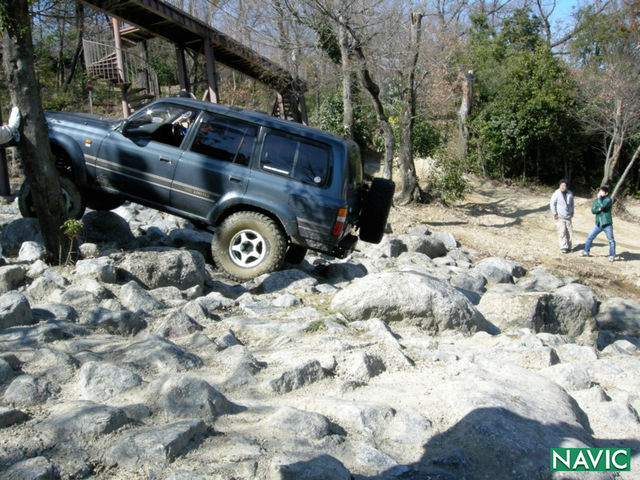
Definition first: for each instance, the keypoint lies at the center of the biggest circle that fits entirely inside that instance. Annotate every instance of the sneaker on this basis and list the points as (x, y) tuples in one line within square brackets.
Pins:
[(584, 254), (565, 250), (612, 259)]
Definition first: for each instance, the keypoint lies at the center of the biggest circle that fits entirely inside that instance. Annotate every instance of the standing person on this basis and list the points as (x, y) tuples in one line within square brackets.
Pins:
[(562, 210), (10, 131), (601, 208)]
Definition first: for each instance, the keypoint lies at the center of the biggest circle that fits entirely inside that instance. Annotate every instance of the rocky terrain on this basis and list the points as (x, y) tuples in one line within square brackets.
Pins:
[(412, 359)]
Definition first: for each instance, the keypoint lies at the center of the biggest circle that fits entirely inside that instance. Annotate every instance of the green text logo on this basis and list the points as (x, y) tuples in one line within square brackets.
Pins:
[(590, 459)]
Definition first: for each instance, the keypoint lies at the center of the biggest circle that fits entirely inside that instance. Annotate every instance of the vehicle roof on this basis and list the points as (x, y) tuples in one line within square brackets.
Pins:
[(256, 117)]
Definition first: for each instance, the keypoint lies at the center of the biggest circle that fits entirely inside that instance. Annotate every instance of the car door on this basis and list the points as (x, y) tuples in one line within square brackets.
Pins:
[(215, 166), (140, 159)]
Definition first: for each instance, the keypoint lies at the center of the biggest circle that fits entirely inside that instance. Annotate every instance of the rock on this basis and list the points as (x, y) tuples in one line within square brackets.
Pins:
[(79, 299), (36, 468), (11, 276), (539, 280), (6, 371), (416, 298), (134, 297), (89, 250), (429, 245), (337, 272), (11, 416), (187, 397), (156, 445), (227, 339), (99, 381), (37, 268), (570, 352), (499, 270), (102, 269), (106, 227), (580, 294), (321, 467), (31, 251), (466, 281), (44, 289), (171, 296), (27, 391), (55, 311), (177, 324), (285, 279), (52, 364), (362, 366), (447, 238), (298, 424), (241, 365), (620, 347), (372, 459), (286, 301), (158, 355), (620, 315), (160, 267), (14, 234), (571, 376), (82, 420), (14, 310), (306, 374), (124, 322), (573, 319)]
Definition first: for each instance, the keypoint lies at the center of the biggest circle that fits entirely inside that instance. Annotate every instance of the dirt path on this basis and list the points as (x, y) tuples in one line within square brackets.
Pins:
[(515, 223)]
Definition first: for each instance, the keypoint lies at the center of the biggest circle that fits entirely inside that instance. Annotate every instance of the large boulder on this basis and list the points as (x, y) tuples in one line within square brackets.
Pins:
[(160, 267), (14, 310), (408, 296), (99, 381), (10, 277), (102, 269), (427, 244), (15, 233), (499, 270), (620, 315), (106, 227), (580, 294), (82, 420)]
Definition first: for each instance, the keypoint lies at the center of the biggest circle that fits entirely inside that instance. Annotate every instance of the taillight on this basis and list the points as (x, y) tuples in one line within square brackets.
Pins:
[(341, 219)]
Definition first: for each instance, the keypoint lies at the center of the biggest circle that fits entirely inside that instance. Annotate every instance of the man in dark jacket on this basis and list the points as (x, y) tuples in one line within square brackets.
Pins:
[(601, 208)]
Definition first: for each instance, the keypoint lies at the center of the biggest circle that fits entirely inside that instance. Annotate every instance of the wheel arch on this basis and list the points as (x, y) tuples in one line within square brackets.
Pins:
[(69, 148), (221, 214)]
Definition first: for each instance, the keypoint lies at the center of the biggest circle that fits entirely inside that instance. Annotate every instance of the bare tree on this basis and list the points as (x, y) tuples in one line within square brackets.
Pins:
[(39, 167)]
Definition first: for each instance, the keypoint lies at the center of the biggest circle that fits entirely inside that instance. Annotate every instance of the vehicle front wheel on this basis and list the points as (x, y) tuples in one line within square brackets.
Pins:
[(247, 245), (103, 201), (73, 199)]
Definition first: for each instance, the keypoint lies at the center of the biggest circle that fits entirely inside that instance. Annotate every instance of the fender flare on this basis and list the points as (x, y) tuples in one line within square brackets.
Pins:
[(73, 150), (226, 206)]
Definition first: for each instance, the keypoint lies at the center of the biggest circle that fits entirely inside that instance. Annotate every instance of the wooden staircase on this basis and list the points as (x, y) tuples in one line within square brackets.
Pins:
[(136, 79)]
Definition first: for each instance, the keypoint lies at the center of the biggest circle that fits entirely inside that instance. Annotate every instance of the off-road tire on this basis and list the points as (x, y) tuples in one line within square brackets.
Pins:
[(295, 254), (103, 201), (248, 244), (74, 199), (375, 210)]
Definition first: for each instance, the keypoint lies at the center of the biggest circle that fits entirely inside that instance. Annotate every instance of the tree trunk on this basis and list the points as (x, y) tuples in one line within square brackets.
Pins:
[(625, 173), (615, 146), (80, 32), (37, 159), (347, 82), (410, 191), (463, 113)]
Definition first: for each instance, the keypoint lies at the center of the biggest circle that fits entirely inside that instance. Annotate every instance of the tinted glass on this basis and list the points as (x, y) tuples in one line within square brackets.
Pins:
[(225, 139), (295, 157)]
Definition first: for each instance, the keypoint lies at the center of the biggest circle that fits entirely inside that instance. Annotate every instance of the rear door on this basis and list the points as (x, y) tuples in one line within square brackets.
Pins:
[(215, 166)]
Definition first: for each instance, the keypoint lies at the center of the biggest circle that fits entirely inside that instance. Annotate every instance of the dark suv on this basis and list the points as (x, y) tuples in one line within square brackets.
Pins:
[(269, 188)]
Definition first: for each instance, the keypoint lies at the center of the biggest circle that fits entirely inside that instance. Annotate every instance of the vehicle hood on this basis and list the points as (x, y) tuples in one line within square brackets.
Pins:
[(88, 120)]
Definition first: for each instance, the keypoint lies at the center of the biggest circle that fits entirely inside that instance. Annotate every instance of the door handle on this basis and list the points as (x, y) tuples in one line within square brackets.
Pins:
[(165, 159), (235, 179)]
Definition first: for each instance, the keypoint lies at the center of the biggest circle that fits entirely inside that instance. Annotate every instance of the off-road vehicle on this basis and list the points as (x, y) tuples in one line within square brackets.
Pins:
[(269, 189)]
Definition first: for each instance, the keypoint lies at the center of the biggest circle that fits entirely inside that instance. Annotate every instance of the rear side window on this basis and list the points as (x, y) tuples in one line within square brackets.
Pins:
[(295, 157), (225, 139)]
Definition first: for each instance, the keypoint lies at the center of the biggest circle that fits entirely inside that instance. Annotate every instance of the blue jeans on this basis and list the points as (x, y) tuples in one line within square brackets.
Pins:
[(608, 230)]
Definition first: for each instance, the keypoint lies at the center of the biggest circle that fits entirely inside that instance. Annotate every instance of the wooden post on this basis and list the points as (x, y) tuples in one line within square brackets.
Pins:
[(122, 78), (280, 102), (212, 81), (183, 75), (303, 109)]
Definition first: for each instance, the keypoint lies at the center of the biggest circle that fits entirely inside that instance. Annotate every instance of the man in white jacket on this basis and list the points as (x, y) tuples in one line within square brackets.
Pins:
[(10, 130), (562, 210)]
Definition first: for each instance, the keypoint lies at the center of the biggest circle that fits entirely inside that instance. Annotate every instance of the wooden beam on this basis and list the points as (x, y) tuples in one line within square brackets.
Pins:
[(212, 81), (183, 75), (122, 78)]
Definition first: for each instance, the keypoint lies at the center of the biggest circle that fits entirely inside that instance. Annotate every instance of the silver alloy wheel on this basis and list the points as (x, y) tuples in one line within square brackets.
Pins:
[(247, 248)]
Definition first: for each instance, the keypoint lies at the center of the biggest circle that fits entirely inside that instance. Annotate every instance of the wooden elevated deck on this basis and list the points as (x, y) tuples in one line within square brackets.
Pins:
[(161, 19)]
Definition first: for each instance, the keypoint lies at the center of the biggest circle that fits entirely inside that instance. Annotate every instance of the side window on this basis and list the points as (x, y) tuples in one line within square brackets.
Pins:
[(295, 157), (163, 122), (225, 139)]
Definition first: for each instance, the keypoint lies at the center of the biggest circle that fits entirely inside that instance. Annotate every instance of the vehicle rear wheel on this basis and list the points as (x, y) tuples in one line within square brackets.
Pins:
[(248, 244), (103, 201), (375, 210), (73, 199)]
